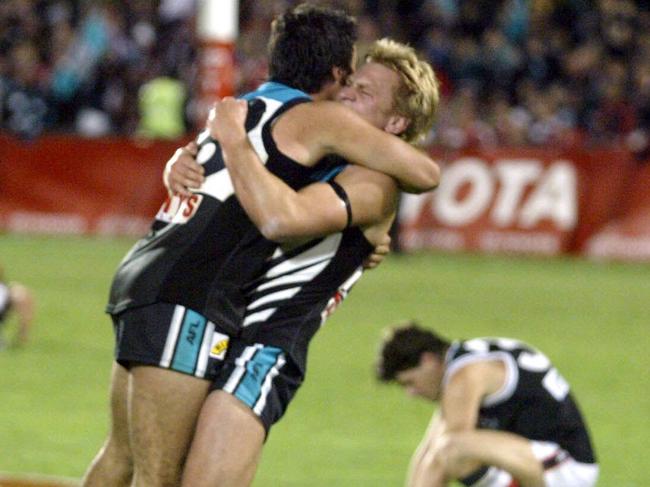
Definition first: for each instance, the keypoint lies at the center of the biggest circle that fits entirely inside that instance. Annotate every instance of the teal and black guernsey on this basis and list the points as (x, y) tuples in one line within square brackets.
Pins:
[(202, 251)]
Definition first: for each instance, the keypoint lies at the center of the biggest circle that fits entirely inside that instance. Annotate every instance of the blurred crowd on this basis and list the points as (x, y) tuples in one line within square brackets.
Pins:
[(513, 72)]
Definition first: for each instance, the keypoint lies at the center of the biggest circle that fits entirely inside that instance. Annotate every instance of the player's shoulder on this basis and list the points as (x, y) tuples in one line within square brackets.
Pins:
[(320, 123), (482, 349), (319, 110), (483, 345)]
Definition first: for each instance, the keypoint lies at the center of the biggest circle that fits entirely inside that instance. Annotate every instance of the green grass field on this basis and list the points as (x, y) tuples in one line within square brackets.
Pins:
[(343, 429)]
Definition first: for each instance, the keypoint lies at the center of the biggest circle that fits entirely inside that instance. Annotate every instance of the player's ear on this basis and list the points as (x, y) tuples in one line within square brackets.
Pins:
[(427, 358), (340, 75), (397, 124)]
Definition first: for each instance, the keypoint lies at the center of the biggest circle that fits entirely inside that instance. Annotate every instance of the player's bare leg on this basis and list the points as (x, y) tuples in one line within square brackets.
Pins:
[(113, 465), (163, 407), (227, 446), (459, 454), (22, 301)]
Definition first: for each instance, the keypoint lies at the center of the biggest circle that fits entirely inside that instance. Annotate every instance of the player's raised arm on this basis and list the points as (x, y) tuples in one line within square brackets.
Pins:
[(358, 197), (329, 127), (281, 213), (417, 471)]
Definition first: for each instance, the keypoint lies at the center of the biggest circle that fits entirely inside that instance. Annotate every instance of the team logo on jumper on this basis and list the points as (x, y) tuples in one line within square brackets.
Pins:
[(219, 346)]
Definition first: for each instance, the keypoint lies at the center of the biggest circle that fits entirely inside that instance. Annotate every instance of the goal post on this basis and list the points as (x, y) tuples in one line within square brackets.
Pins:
[(217, 28)]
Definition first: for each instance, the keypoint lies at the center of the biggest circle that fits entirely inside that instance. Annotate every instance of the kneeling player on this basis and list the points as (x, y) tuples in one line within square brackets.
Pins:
[(16, 299), (506, 417)]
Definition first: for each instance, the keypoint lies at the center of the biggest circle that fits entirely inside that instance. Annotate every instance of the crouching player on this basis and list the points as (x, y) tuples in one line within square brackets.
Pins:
[(506, 417)]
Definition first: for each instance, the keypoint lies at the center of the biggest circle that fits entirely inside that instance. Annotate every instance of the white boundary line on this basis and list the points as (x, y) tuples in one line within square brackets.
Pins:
[(36, 480)]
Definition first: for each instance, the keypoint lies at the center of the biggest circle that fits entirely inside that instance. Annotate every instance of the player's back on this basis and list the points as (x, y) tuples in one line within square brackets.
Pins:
[(535, 401), (203, 249), (300, 288)]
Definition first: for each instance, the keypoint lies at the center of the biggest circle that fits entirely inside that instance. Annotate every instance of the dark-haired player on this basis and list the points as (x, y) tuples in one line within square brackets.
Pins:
[(177, 297), (507, 417)]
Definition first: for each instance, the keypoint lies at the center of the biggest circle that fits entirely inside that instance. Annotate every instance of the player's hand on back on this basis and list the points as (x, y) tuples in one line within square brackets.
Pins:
[(226, 121), (183, 172)]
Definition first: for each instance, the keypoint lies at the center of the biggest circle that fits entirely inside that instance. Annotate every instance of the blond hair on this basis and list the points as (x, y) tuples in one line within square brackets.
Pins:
[(418, 96)]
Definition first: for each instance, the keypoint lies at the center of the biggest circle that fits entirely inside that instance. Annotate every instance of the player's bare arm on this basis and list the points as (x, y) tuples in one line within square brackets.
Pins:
[(462, 395), (283, 214), (417, 465), (459, 405), (310, 131), (460, 448)]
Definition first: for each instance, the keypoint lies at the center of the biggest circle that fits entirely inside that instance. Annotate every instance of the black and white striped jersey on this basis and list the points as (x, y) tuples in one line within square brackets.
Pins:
[(300, 288), (204, 249), (535, 402)]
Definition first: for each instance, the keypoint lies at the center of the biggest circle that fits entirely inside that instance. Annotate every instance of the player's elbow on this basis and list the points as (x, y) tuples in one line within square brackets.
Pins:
[(426, 179), (276, 229)]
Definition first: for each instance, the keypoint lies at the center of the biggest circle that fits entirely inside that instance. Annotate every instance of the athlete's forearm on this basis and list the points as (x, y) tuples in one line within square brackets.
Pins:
[(262, 195), (414, 171), (370, 147)]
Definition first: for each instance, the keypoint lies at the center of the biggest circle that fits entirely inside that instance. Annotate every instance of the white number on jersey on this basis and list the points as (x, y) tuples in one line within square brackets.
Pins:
[(553, 382)]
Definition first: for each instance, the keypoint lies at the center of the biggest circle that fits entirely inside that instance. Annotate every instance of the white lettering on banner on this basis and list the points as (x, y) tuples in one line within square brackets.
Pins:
[(440, 238), (514, 175), (616, 245), (115, 224), (467, 171), (554, 198), (507, 241), (553, 194), (411, 206), (54, 223)]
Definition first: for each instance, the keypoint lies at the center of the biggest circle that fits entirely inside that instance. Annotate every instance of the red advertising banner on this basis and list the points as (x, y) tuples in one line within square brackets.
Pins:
[(524, 201), (60, 184), (627, 235)]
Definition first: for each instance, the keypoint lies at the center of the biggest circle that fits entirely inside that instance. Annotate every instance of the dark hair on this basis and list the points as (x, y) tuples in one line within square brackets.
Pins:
[(306, 43), (402, 348)]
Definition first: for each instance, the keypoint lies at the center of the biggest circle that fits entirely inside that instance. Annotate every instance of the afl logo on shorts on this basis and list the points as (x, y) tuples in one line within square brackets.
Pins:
[(219, 346)]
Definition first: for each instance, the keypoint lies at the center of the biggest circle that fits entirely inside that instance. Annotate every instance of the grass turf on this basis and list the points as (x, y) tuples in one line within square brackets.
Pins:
[(343, 429)]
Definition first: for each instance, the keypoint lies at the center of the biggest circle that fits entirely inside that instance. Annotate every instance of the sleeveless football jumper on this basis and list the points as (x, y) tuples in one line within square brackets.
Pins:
[(536, 401), (202, 251)]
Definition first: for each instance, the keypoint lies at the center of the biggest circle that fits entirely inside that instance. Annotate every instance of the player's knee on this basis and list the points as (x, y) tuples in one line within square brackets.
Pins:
[(220, 474), (21, 296), (158, 474), (119, 456), (112, 466)]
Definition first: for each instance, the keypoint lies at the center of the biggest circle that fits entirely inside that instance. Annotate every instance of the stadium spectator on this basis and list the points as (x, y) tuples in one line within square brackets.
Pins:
[(162, 113), (499, 48), (506, 417), (16, 299), (25, 107)]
